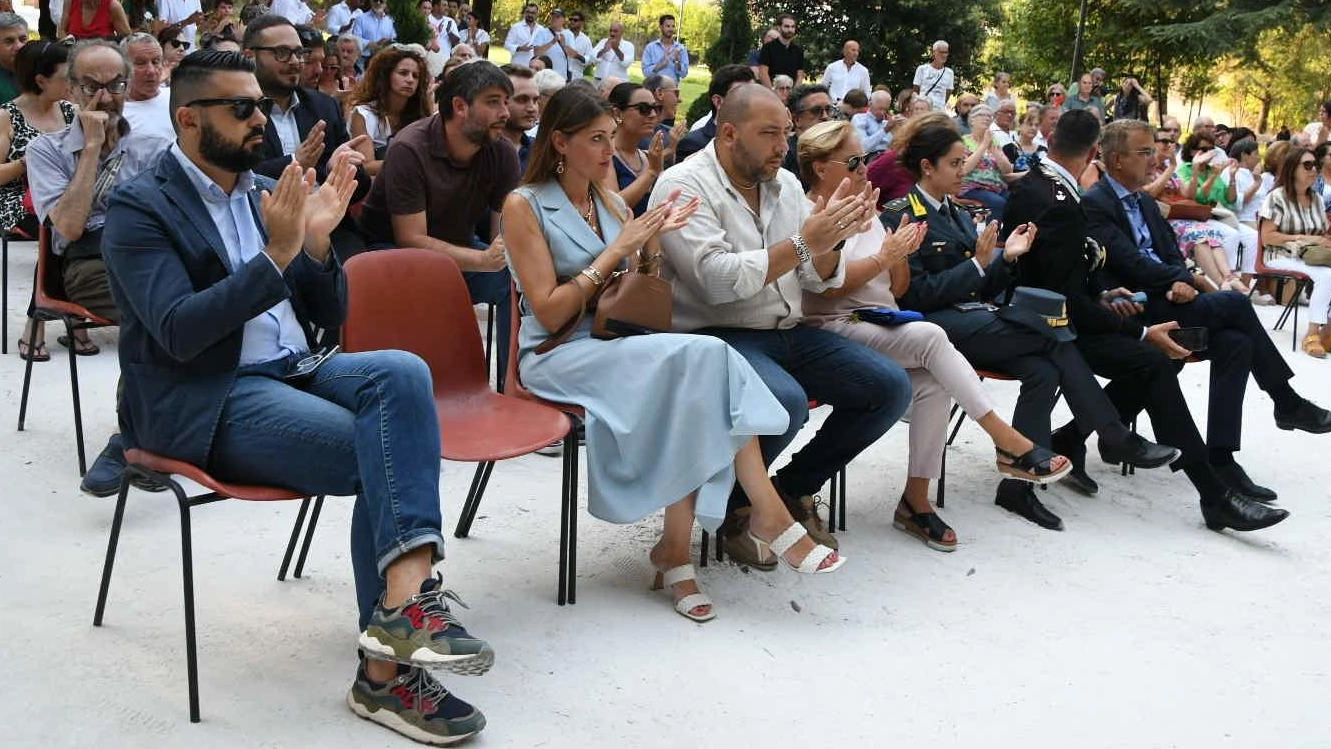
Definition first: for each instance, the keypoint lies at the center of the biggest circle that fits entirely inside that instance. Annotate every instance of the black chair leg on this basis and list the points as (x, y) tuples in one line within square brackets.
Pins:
[(74, 389), (27, 376), (473, 503), (841, 499), (831, 503), (111, 545), (941, 497), (702, 548), (572, 447), (187, 575), (570, 444), (309, 535), (291, 543), (489, 340)]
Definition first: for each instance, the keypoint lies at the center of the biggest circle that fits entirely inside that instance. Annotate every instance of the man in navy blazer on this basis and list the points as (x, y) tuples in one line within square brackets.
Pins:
[(219, 282), (1143, 254)]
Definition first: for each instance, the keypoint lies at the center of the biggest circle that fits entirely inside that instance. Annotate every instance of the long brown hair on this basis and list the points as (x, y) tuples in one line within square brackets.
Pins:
[(571, 110), (1286, 175), (374, 88)]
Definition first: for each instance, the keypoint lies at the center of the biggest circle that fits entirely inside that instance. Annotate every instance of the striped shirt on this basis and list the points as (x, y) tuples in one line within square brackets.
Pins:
[(1291, 217)]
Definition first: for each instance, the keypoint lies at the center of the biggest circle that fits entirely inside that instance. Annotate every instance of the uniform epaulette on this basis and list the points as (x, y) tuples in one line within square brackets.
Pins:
[(900, 205)]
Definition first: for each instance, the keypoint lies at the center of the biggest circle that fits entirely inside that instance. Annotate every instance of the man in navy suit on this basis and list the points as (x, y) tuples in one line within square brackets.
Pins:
[(1143, 254), (218, 282)]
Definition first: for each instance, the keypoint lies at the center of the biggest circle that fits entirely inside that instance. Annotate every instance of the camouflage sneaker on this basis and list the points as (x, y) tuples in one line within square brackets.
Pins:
[(424, 632), (416, 706)]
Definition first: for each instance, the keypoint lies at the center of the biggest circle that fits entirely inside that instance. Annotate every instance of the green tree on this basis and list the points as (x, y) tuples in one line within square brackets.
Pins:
[(736, 37), (894, 35), (409, 22)]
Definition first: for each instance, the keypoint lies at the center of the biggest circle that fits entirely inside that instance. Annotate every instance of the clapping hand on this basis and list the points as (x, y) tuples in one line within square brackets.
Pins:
[(679, 217), (842, 216), (635, 233), (283, 212), (326, 206), (1019, 241), (656, 153), (986, 242), (311, 149), (900, 244)]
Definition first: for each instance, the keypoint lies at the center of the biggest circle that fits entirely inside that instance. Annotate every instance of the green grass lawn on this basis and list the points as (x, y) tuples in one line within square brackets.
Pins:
[(692, 87)]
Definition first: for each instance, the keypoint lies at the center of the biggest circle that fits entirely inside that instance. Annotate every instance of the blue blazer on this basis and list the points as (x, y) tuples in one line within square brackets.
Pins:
[(183, 307), (1108, 223)]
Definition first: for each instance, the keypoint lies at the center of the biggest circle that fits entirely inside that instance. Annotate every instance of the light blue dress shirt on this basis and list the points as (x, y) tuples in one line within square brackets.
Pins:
[(872, 135), (372, 28), (1133, 208), (275, 332), (655, 53)]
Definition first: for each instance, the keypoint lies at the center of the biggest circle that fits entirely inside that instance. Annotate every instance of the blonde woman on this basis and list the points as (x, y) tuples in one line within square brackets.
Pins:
[(876, 272)]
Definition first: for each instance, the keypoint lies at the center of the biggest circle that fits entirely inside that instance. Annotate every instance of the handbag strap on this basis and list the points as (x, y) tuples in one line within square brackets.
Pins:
[(642, 264)]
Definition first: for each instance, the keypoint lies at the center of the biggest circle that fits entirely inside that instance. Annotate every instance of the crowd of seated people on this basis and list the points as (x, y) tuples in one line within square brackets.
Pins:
[(1012, 242)]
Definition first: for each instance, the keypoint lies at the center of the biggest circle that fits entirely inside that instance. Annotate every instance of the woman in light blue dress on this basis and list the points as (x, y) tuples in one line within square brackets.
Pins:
[(672, 419)]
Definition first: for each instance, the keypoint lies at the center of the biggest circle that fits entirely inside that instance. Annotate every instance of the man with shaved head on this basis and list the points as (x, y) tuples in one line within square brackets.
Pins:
[(740, 268)]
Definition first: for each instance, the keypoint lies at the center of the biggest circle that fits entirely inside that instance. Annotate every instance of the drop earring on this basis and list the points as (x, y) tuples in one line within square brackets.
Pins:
[(559, 166)]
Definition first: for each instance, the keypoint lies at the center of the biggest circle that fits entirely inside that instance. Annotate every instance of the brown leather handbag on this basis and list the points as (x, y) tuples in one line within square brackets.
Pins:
[(1189, 210), (636, 301)]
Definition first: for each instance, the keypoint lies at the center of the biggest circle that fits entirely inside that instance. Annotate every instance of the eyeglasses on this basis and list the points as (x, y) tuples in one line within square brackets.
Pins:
[(854, 162), (242, 108), (647, 110), (179, 44), (816, 111), (90, 87), (1310, 166), (1166, 141), (1144, 152), (284, 54)]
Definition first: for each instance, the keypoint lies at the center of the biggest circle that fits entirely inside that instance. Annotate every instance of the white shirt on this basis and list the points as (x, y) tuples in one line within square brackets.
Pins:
[(1243, 181), (608, 64), (174, 11), (442, 27), (151, 115), (935, 84), (1001, 137), (555, 52), (522, 35), (288, 132), (718, 261), (340, 15), (294, 11), (701, 123), (583, 44), (482, 37), (839, 79)]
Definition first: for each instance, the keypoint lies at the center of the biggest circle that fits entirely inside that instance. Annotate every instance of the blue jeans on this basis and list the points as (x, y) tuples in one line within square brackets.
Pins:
[(363, 424), (868, 393)]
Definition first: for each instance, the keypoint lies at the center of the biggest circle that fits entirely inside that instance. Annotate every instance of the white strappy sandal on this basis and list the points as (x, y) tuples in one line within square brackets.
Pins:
[(811, 562), (685, 605)]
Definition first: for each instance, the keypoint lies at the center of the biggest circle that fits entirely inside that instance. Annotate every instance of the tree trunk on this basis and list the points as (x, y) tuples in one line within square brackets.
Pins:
[(1263, 119)]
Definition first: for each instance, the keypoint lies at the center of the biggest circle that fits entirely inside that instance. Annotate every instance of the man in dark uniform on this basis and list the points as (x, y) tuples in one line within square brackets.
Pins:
[(1138, 360), (954, 275)]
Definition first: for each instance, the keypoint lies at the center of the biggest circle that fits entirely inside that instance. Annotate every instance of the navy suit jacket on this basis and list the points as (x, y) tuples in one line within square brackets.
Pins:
[(1108, 223), (314, 106), (184, 307)]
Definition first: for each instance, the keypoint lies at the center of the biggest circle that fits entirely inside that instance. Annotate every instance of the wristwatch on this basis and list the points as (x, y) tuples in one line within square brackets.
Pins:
[(802, 250)]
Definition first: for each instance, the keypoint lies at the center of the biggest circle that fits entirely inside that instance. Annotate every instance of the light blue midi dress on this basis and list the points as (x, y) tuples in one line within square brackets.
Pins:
[(666, 413)]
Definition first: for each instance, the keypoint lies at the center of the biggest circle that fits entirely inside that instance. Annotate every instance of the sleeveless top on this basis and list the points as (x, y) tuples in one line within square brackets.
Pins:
[(11, 194), (99, 27), (377, 128), (624, 176)]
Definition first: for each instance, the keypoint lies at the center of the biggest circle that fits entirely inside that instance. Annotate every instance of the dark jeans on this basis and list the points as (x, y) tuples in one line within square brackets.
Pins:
[(1239, 345), (868, 393), (364, 424)]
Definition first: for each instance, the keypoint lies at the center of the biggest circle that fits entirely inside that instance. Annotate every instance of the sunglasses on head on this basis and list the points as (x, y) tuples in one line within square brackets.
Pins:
[(854, 162), (647, 110), (242, 108)]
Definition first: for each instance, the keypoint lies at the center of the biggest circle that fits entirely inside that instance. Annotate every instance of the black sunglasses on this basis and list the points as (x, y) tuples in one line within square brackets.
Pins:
[(1170, 141), (647, 110), (242, 108), (1308, 165), (179, 43), (854, 162), (816, 111)]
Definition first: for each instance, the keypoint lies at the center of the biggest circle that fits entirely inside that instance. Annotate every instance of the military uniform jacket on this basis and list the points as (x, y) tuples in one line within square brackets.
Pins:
[(1064, 258), (942, 271)]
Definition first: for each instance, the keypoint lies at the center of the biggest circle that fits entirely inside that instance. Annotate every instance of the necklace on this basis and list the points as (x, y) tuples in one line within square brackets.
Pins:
[(737, 183)]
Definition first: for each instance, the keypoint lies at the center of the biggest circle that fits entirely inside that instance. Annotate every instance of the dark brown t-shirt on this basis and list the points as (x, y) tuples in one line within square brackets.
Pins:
[(418, 175)]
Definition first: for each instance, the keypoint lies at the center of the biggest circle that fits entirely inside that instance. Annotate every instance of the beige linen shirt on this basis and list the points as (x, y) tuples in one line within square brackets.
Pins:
[(718, 262)]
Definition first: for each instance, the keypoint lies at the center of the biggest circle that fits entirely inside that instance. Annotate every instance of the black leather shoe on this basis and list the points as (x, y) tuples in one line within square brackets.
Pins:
[(1239, 513), (1138, 451), (1234, 477), (1065, 442), (103, 477), (1018, 497), (1307, 417)]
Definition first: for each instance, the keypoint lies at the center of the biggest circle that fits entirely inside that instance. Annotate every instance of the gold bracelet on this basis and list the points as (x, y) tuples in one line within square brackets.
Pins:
[(594, 276)]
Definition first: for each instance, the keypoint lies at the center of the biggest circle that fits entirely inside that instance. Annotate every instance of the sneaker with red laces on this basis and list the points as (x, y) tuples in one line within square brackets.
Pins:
[(415, 705), (424, 632)]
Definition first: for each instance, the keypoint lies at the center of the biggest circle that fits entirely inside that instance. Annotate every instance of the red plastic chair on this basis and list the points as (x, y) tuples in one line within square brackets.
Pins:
[(161, 471), (1280, 276), (50, 305), (568, 519), (416, 300)]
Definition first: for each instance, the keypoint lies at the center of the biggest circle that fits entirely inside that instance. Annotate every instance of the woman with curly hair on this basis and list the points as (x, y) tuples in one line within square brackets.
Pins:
[(393, 94)]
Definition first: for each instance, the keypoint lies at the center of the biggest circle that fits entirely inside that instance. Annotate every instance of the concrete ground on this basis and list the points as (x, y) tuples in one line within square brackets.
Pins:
[(1135, 627)]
